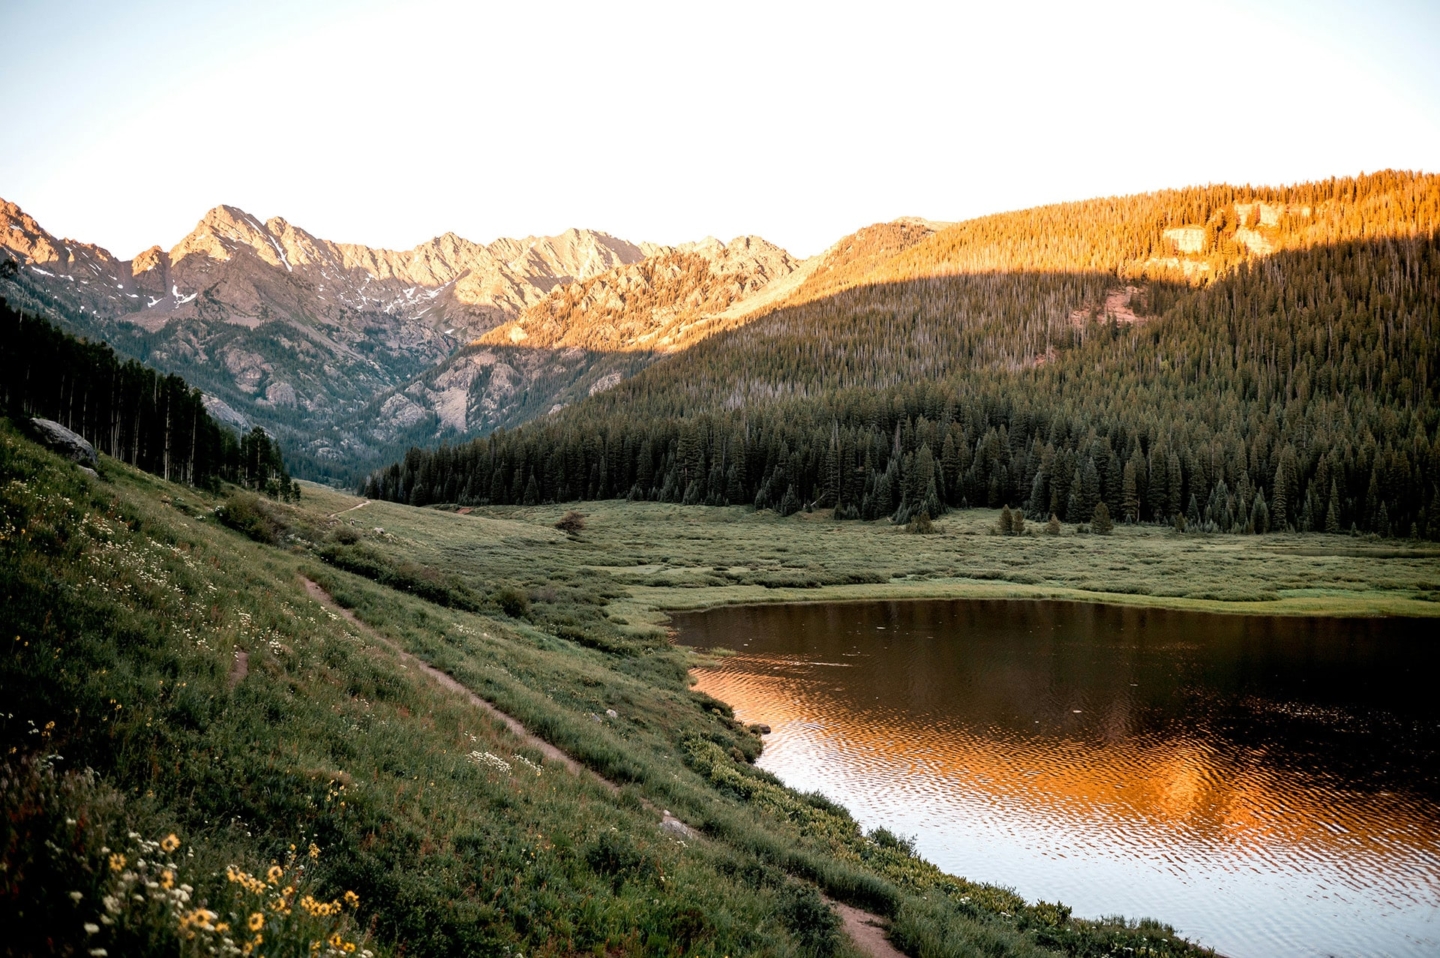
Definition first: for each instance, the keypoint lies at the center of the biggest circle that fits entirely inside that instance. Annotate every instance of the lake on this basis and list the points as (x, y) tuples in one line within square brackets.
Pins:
[(1268, 785)]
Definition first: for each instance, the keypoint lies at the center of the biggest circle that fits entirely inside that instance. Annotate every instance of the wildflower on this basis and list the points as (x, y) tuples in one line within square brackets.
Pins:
[(352, 899), (167, 879), (257, 921), (336, 940), (170, 842), (76, 896), (91, 928), (275, 874), (99, 952), (117, 862), (314, 850), (222, 927), (349, 946)]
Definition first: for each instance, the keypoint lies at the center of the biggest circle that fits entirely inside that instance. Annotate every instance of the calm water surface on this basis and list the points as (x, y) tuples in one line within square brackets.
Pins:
[(1270, 786)]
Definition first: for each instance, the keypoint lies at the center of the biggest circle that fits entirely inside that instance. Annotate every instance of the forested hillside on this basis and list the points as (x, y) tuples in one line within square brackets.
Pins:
[(1223, 358), (126, 410)]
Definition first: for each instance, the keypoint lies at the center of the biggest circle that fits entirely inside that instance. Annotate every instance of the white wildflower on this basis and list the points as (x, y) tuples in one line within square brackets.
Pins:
[(494, 761)]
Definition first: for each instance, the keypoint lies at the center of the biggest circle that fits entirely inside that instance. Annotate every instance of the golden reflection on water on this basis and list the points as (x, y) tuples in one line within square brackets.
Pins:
[(1169, 781)]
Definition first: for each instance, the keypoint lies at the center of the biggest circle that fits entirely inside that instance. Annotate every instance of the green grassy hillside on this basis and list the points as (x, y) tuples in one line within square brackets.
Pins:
[(183, 724)]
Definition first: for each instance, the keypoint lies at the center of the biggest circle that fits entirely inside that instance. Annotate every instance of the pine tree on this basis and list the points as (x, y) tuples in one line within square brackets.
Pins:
[(1129, 494), (1260, 515), (1332, 512), (1089, 489), (1101, 523), (1280, 493), (790, 502)]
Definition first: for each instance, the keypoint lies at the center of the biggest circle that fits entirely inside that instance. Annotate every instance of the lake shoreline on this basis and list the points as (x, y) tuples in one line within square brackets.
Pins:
[(663, 600), (1102, 761)]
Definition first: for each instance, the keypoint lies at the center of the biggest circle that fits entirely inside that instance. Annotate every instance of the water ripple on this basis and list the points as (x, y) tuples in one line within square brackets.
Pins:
[(1266, 786)]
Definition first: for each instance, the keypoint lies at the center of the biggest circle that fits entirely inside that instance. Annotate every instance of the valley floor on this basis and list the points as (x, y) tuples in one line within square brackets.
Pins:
[(669, 557), (171, 672)]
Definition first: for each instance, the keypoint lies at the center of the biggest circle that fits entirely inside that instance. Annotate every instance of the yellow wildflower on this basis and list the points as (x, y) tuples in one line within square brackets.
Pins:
[(314, 850), (257, 921), (349, 946), (117, 862), (336, 940), (167, 879), (275, 874), (170, 842), (352, 899)]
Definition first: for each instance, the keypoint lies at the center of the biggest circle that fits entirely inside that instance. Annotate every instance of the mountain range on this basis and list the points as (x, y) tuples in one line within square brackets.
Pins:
[(348, 353)]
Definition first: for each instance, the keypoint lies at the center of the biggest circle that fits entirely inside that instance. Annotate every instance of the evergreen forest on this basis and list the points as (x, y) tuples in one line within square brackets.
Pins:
[(153, 421), (1223, 359)]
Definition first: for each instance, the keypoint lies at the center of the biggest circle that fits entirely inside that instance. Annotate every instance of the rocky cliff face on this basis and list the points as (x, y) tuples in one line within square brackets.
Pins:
[(286, 329), (586, 336)]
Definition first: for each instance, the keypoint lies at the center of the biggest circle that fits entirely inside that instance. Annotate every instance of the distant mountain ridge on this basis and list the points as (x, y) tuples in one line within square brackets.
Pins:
[(350, 354), (285, 329), (469, 286)]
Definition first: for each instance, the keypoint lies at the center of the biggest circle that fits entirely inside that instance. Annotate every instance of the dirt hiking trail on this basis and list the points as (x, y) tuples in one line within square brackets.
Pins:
[(865, 930)]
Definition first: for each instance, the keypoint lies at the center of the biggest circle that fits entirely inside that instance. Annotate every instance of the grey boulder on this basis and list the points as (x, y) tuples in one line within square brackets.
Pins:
[(71, 445)]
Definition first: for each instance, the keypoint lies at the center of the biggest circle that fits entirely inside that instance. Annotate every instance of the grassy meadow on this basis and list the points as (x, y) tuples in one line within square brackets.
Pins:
[(165, 674), (662, 556)]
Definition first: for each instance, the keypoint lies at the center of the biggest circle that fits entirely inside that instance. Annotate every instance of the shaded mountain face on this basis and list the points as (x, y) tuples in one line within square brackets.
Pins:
[(584, 338), (587, 337), (284, 329)]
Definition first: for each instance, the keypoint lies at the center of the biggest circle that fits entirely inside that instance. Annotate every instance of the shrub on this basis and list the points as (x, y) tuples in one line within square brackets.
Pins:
[(1101, 523), (1052, 528), (812, 921), (512, 602), (615, 857), (247, 514), (411, 577), (571, 523), (921, 524), (345, 535)]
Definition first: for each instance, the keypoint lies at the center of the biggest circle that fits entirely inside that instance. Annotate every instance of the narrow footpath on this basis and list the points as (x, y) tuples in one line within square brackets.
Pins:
[(866, 930), (521, 732)]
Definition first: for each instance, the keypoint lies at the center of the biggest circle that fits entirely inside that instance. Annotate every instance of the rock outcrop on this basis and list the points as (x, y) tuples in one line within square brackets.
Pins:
[(71, 445)]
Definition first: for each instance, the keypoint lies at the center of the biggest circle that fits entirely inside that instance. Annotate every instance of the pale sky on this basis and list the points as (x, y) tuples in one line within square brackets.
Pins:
[(387, 123)]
